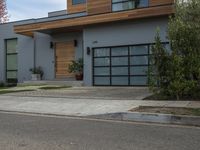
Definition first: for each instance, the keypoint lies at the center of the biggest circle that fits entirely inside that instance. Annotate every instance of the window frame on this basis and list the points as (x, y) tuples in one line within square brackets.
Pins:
[(9, 80), (126, 1), (77, 3)]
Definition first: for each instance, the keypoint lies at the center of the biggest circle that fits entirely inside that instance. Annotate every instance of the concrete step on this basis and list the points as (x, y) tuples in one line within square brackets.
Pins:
[(54, 82)]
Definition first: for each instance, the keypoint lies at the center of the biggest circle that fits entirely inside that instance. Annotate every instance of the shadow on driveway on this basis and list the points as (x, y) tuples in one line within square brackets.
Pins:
[(109, 93)]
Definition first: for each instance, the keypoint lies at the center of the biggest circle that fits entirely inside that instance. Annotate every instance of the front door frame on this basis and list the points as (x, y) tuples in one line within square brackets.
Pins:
[(55, 59)]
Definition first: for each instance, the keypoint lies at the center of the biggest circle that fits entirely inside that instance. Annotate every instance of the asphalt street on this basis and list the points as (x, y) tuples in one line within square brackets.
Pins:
[(29, 132)]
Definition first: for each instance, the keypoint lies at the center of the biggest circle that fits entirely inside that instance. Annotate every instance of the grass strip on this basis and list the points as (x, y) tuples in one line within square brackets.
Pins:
[(54, 87), (12, 91), (168, 110)]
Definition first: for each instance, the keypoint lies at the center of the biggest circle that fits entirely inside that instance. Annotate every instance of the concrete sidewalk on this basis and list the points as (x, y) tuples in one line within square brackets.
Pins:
[(81, 107)]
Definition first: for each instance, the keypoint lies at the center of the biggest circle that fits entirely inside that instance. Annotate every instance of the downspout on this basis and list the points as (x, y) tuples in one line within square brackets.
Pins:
[(34, 51)]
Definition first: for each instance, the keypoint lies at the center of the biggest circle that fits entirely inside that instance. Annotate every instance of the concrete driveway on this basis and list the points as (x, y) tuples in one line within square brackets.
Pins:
[(77, 101), (106, 93), (64, 106)]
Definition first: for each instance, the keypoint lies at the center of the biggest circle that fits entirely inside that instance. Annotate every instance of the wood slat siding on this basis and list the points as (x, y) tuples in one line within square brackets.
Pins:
[(160, 2), (96, 19), (65, 53), (75, 8), (98, 6)]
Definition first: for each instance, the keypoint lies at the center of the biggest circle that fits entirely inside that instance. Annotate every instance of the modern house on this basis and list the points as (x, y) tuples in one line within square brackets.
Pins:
[(114, 38)]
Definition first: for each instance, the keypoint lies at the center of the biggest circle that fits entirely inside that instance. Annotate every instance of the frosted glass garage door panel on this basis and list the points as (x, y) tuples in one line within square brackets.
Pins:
[(119, 80), (119, 51), (119, 70), (101, 52), (139, 60), (139, 70), (102, 71), (138, 50), (102, 80), (101, 61), (119, 61), (138, 80)]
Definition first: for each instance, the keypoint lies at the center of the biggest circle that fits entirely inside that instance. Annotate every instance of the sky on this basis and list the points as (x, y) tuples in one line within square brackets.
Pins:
[(28, 9)]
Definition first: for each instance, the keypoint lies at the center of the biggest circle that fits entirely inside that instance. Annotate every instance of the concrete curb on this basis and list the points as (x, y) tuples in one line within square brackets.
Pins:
[(152, 118), (131, 117)]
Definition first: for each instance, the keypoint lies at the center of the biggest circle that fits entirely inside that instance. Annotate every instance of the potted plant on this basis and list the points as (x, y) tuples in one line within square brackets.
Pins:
[(76, 67), (37, 73)]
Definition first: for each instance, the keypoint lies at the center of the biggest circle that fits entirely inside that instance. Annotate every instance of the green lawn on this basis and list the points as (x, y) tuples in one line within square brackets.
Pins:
[(168, 110), (6, 90), (12, 91), (161, 97), (54, 87)]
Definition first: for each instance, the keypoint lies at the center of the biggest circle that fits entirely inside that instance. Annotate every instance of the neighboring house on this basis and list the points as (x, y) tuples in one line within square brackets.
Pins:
[(112, 36)]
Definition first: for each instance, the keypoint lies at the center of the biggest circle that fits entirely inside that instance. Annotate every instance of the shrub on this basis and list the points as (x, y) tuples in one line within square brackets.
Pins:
[(76, 67), (2, 84), (37, 70), (178, 72)]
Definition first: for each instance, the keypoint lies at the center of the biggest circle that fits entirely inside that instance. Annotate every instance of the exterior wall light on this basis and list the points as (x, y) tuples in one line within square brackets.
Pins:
[(51, 45), (75, 43), (88, 50)]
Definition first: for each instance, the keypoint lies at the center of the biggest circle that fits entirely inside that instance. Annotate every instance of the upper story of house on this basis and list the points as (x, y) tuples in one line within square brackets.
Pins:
[(93, 7), (81, 13)]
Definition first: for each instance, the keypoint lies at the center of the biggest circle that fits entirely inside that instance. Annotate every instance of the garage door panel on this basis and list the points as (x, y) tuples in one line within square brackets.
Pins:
[(101, 52), (102, 71), (139, 70), (101, 61), (119, 51), (120, 80), (102, 80), (119, 61), (139, 60), (139, 50), (138, 80), (120, 71)]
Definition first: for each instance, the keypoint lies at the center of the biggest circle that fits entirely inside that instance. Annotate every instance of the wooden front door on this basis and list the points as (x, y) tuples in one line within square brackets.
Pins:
[(65, 53)]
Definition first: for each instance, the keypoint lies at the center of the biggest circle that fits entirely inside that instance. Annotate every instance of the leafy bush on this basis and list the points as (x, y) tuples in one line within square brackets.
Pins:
[(37, 70), (76, 66), (178, 73), (2, 84)]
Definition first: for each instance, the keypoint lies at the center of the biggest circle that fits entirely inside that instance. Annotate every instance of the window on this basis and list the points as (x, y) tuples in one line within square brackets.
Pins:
[(119, 5), (11, 60), (75, 2)]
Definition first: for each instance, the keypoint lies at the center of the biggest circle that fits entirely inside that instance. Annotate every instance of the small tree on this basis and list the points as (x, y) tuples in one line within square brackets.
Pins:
[(3, 11), (178, 73)]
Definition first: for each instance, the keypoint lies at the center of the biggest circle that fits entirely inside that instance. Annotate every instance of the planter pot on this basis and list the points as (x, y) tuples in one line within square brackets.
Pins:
[(79, 77), (35, 77)]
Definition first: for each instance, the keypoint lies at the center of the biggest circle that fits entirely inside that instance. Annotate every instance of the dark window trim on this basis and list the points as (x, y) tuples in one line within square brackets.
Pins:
[(129, 64), (77, 3), (6, 54), (136, 7), (11, 53)]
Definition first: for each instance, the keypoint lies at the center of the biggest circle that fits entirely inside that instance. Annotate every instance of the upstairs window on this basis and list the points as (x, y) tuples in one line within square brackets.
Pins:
[(120, 5), (75, 2)]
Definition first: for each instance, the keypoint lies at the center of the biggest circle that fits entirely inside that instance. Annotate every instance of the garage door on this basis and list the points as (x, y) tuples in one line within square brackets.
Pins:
[(124, 65)]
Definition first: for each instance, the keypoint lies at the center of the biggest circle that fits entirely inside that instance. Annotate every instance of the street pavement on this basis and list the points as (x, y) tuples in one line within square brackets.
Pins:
[(28, 132)]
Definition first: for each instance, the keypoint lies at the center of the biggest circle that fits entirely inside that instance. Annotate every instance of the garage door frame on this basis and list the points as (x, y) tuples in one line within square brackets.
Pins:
[(110, 57)]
